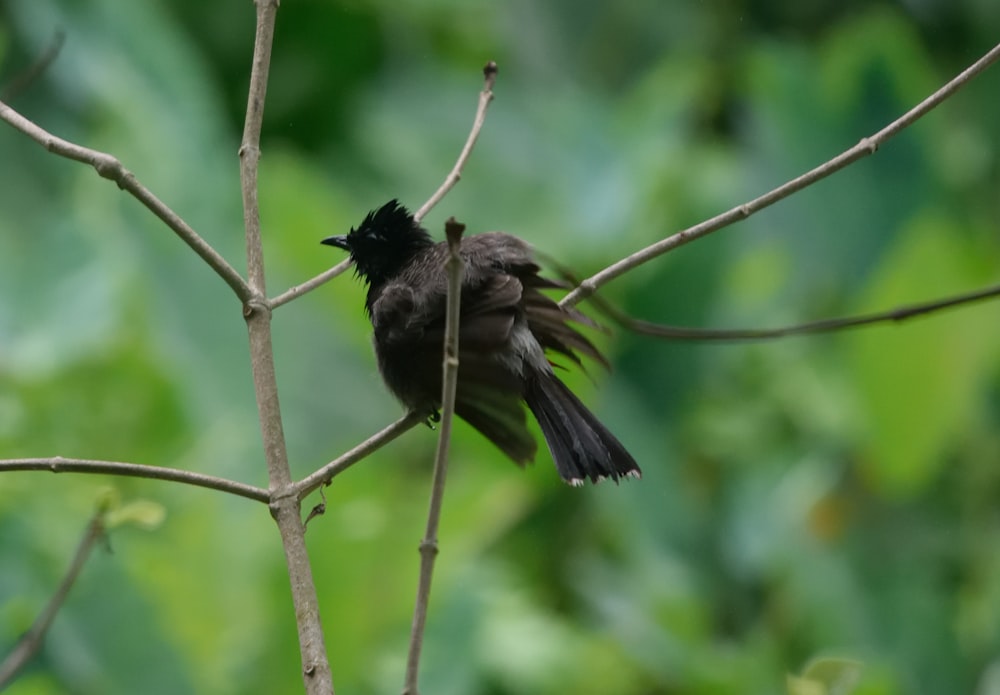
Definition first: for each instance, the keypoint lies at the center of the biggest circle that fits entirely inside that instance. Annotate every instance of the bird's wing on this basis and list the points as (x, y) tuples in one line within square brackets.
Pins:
[(507, 256), (489, 391), (488, 311), (392, 313), (549, 324), (488, 308), (490, 386)]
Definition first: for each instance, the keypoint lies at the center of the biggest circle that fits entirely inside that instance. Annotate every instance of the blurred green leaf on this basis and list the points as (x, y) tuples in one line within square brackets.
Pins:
[(837, 676), (919, 384), (145, 514), (798, 685)]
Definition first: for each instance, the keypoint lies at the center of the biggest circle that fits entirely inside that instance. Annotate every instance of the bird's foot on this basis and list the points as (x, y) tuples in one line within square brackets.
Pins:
[(433, 418)]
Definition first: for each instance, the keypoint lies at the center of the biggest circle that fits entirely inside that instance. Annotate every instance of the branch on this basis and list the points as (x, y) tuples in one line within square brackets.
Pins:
[(485, 97), (109, 167), (657, 330), (823, 326), (25, 78), (285, 506), (58, 464), (449, 384), (309, 285), (866, 147), (31, 642), (325, 474)]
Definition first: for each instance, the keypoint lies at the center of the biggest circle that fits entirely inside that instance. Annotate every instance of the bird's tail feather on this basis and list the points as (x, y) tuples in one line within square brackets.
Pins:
[(581, 446), (498, 415)]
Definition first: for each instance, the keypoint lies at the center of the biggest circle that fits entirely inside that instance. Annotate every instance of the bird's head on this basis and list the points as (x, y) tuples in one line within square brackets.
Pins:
[(383, 243)]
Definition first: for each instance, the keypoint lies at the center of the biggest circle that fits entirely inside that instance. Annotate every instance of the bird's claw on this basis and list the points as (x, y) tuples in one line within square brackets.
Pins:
[(433, 418)]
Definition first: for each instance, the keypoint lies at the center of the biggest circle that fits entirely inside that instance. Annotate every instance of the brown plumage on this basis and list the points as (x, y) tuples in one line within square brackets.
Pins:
[(506, 326)]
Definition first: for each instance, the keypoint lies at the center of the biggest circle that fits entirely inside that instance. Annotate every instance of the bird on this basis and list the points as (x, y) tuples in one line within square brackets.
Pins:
[(506, 326)]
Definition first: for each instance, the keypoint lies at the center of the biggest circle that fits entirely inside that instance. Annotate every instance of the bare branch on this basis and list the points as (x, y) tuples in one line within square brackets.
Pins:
[(110, 168), (31, 642), (864, 148), (659, 330), (58, 464), (25, 78), (823, 326), (309, 285), (325, 474), (285, 505), (485, 97), (250, 146), (429, 545)]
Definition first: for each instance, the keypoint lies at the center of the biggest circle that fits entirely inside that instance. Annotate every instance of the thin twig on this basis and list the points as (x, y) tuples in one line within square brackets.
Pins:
[(31, 642), (285, 505), (485, 97), (340, 464), (866, 147), (26, 77), (109, 167), (668, 332), (429, 545), (309, 285), (58, 464), (823, 326)]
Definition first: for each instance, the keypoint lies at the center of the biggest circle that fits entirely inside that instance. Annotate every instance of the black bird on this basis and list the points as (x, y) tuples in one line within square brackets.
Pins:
[(506, 326)]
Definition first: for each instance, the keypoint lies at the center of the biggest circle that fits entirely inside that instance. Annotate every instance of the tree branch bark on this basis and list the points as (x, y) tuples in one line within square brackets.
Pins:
[(110, 168), (866, 147), (285, 505), (485, 98), (429, 545), (309, 285), (58, 464), (324, 475), (897, 315)]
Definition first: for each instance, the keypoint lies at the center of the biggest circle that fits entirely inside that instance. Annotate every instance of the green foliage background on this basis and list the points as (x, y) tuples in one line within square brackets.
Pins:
[(830, 495)]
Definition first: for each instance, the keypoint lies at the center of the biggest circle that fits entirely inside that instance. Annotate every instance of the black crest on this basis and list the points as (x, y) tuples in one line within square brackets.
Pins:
[(384, 241)]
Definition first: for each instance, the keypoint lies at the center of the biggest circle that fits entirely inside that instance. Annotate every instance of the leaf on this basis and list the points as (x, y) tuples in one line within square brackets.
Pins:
[(920, 384), (145, 514), (825, 676), (797, 685)]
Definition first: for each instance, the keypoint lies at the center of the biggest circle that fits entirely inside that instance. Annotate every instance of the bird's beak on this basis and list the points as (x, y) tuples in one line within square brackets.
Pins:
[(339, 241)]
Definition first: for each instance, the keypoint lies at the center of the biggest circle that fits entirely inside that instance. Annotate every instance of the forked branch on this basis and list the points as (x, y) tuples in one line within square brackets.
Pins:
[(897, 315), (285, 505), (864, 148), (485, 97)]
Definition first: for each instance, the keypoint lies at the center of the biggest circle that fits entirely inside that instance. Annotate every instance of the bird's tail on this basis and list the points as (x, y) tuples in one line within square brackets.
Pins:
[(581, 446)]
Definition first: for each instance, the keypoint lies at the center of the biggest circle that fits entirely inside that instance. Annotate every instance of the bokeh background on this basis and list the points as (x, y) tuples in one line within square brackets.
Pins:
[(835, 495)]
